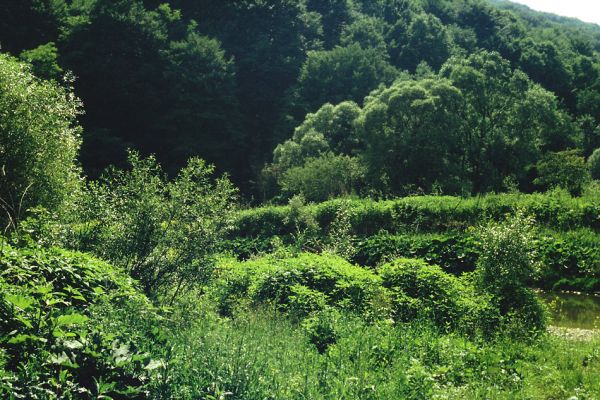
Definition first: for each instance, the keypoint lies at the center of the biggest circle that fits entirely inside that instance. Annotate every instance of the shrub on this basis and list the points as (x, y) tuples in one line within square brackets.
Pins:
[(302, 282), (321, 329), (566, 169), (52, 345), (455, 253), (39, 142), (505, 267), (164, 233), (422, 290), (324, 177), (557, 210)]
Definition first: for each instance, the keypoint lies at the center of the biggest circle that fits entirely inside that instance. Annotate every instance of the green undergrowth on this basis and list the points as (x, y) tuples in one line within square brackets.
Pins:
[(52, 342), (285, 326), (260, 354), (306, 285), (568, 260)]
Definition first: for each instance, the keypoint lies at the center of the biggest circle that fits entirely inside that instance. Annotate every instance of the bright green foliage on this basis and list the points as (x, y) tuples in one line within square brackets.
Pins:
[(51, 345), (420, 290), (39, 141), (258, 355), (505, 266), (566, 169), (594, 164), (301, 283), (164, 233), (557, 210)]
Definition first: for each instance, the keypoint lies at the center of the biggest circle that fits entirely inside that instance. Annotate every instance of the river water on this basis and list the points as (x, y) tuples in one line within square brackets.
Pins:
[(569, 310)]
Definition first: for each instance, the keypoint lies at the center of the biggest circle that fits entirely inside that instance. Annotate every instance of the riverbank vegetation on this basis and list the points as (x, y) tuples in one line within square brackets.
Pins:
[(296, 200)]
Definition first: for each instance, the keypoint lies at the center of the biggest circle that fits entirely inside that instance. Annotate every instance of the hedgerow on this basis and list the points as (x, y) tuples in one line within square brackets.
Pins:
[(555, 210)]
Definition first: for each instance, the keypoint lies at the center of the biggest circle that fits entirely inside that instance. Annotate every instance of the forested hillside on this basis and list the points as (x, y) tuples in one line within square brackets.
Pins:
[(233, 81)]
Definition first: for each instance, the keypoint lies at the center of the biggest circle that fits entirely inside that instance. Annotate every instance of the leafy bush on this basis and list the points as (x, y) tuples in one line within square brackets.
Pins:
[(322, 178), (569, 260), (455, 253), (39, 141), (51, 344), (565, 169), (421, 290), (505, 267), (304, 282), (164, 233)]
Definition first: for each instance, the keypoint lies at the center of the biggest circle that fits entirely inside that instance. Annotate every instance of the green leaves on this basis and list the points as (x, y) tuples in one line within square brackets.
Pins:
[(163, 232), (23, 303), (71, 319), (39, 141), (50, 338)]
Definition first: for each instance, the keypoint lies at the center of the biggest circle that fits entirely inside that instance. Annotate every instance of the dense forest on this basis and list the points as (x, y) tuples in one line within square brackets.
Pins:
[(298, 199), (269, 91)]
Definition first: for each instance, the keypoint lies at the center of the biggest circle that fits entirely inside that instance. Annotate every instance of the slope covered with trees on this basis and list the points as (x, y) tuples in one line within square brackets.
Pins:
[(228, 81)]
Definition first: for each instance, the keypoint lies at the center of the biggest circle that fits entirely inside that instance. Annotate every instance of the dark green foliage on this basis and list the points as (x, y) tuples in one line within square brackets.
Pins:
[(594, 164), (424, 39), (149, 80), (227, 81), (30, 23), (43, 60), (455, 253), (51, 345), (341, 74)]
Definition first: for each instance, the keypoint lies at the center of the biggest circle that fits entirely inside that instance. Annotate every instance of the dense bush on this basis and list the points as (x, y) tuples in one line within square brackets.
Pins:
[(568, 260), (302, 283), (594, 164), (51, 345), (164, 233), (423, 291), (454, 252), (325, 177), (39, 142), (505, 266), (565, 169)]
